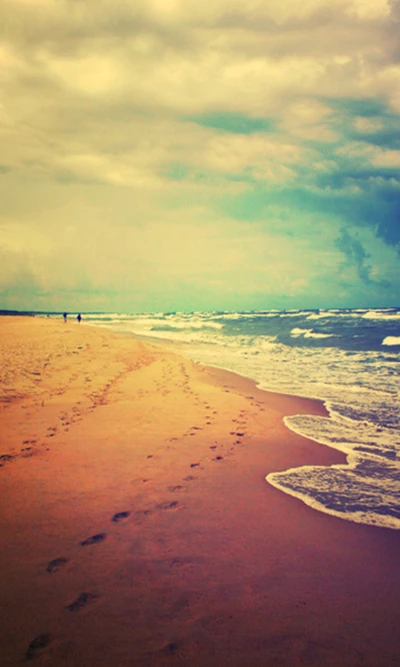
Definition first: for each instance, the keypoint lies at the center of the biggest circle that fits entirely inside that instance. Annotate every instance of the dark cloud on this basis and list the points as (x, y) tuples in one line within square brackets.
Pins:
[(276, 33), (386, 132), (357, 256), (376, 203), (233, 122), (360, 199), (355, 253), (366, 107), (367, 121), (74, 28), (391, 31), (388, 137), (359, 190)]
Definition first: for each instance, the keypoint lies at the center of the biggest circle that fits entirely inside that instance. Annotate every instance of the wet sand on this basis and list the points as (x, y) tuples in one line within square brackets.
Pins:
[(137, 528)]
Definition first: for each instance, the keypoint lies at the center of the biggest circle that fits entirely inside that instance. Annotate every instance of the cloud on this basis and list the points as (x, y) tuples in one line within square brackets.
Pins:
[(357, 256), (367, 126), (363, 197), (185, 56), (142, 120)]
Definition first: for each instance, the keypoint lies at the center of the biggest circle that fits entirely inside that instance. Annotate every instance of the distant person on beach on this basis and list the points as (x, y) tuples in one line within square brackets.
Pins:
[(79, 317), (65, 316)]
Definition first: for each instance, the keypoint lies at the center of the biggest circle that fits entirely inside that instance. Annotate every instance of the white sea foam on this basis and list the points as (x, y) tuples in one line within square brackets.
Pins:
[(314, 334), (308, 333), (105, 316), (318, 316), (247, 315), (369, 517), (297, 331), (192, 323), (346, 434), (231, 316), (391, 340), (295, 313), (382, 315)]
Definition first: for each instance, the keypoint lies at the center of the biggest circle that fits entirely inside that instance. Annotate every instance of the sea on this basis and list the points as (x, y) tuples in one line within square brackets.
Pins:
[(349, 359)]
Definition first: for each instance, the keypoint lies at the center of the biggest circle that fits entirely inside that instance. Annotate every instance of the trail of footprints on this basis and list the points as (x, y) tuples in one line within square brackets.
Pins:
[(32, 447), (66, 420), (43, 641), (28, 450), (239, 433)]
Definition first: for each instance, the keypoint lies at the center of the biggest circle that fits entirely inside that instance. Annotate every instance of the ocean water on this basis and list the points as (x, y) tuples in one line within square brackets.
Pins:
[(350, 359)]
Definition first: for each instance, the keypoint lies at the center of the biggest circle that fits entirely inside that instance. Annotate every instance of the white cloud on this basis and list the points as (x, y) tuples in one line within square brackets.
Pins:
[(90, 74), (367, 125), (386, 158), (372, 155), (368, 9), (21, 238), (309, 119), (264, 157), (192, 11)]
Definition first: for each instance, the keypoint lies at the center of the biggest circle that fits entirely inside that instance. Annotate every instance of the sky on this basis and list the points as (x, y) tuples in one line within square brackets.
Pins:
[(168, 155)]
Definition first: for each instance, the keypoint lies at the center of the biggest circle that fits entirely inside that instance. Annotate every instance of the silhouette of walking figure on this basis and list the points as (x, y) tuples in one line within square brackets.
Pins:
[(79, 317), (65, 316)]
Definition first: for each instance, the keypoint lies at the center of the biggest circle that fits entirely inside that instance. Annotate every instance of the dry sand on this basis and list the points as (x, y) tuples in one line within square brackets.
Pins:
[(204, 564)]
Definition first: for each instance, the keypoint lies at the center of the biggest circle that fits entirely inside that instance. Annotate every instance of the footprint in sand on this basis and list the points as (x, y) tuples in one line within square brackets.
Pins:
[(170, 649), (81, 601), (37, 645), (168, 505), (178, 487), (189, 478), (56, 564), (120, 516), (194, 465), (6, 457), (94, 539), (218, 458)]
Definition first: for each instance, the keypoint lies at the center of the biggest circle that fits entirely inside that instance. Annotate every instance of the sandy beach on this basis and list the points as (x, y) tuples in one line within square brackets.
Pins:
[(137, 528)]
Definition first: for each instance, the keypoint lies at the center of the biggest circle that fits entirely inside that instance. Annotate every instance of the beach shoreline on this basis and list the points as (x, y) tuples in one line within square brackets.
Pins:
[(141, 476)]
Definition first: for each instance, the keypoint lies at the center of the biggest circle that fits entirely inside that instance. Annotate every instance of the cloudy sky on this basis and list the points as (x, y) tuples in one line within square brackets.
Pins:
[(179, 155)]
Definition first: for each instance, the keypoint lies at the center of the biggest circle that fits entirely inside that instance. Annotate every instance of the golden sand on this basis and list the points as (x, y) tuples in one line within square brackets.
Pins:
[(137, 528)]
